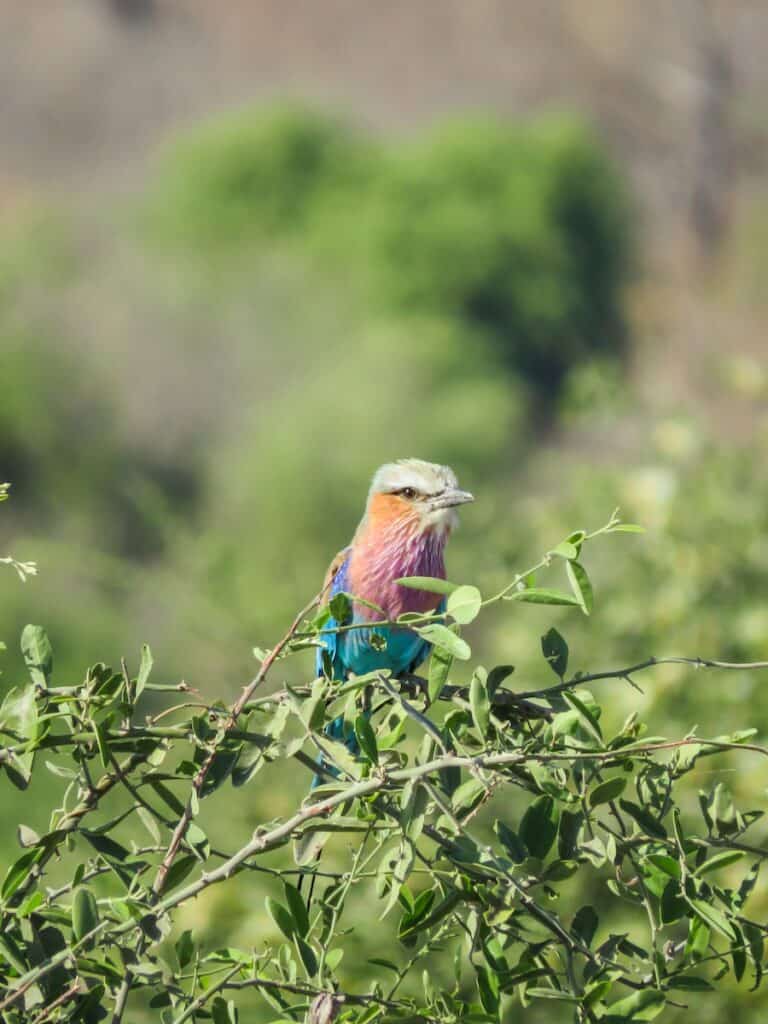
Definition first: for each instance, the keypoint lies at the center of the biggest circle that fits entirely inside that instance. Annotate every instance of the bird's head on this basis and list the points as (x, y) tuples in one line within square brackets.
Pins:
[(421, 494)]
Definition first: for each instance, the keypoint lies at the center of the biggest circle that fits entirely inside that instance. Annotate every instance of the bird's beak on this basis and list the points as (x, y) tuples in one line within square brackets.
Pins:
[(450, 498)]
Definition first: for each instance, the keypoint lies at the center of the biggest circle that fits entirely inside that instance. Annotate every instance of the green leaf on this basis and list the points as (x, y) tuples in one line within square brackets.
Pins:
[(387, 964), (102, 743), (626, 528), (308, 846), (185, 948), (720, 860), (577, 538), (281, 916), (644, 819), (747, 885), (446, 639), (539, 595), (666, 864), (464, 604), (690, 983), (673, 906), (366, 737), (27, 836), (497, 676), (588, 719), (19, 870), (251, 759), (738, 954), (488, 987), (480, 704), (582, 588), (608, 790), (340, 607), (713, 918), (428, 583), (566, 550), (18, 715), (440, 663), (568, 833), (307, 955), (333, 958), (559, 870), (540, 992), (555, 650), (168, 796), (223, 1011), (145, 667), (85, 913), (585, 924), (38, 654), (179, 870), (640, 1006), (414, 918), (394, 868), (149, 823), (538, 826), (512, 844), (297, 908), (697, 944), (468, 795), (198, 840), (105, 845)]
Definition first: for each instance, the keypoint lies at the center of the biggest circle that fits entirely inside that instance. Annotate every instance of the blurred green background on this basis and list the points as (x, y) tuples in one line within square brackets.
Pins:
[(245, 257)]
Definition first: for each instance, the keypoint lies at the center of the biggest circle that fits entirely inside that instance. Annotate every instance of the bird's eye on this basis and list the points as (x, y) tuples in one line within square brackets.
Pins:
[(408, 492)]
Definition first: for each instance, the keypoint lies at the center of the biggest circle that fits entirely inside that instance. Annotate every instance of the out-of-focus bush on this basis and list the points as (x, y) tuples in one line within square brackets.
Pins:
[(252, 176), (520, 231)]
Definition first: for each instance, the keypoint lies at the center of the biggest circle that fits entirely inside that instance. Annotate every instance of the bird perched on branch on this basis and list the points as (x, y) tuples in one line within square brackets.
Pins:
[(409, 516)]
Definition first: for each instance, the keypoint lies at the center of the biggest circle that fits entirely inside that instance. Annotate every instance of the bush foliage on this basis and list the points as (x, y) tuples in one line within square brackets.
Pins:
[(484, 823), (518, 232)]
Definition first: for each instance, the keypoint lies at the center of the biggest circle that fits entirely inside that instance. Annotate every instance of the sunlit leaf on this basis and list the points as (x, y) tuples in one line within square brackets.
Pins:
[(580, 585), (644, 1005), (428, 583), (464, 604), (38, 654), (540, 595), (443, 637), (440, 663), (145, 667)]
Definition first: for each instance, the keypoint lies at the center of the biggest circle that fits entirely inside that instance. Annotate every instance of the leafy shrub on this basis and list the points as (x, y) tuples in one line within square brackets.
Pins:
[(253, 177), (521, 232), (461, 830)]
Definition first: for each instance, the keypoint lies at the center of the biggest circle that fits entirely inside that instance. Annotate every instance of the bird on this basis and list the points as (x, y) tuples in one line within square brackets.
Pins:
[(409, 516)]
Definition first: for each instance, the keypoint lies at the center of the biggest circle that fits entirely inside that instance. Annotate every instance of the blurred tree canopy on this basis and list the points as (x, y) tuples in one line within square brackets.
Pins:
[(521, 232)]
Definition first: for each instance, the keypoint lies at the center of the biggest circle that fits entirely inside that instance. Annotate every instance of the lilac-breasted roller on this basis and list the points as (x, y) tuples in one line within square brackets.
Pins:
[(409, 516)]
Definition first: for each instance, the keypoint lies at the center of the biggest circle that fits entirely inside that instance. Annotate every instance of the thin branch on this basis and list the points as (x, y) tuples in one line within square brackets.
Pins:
[(624, 673)]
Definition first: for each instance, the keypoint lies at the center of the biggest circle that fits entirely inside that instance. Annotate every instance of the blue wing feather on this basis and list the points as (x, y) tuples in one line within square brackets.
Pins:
[(353, 651)]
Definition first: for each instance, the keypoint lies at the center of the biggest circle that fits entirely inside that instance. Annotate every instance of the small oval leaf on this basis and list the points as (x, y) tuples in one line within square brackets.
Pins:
[(85, 913), (464, 604)]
